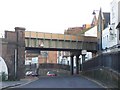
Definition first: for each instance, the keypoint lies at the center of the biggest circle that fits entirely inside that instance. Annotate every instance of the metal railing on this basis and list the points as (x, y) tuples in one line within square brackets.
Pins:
[(111, 60)]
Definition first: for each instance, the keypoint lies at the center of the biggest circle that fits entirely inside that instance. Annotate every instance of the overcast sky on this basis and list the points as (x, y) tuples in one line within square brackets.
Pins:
[(52, 16)]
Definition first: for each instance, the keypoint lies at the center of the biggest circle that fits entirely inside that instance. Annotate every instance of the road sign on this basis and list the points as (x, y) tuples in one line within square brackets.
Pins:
[(34, 60)]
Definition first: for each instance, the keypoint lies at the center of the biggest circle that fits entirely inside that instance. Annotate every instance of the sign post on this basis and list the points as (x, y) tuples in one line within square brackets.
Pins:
[(84, 52)]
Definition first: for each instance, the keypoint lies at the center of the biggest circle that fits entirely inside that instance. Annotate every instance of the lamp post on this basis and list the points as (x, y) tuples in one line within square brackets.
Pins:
[(112, 32), (94, 12)]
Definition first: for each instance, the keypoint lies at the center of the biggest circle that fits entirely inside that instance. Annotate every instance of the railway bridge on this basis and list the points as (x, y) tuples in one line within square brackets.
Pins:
[(40, 41), (17, 42)]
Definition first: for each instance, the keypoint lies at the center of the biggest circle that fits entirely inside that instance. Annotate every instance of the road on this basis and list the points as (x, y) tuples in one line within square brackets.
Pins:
[(62, 82)]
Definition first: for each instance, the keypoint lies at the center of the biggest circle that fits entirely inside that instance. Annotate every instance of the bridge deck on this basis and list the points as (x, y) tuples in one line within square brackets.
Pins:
[(48, 41), (41, 35)]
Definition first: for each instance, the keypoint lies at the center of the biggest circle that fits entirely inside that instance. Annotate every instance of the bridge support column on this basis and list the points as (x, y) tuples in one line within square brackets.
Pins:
[(71, 65), (77, 64), (83, 60), (80, 63), (20, 53)]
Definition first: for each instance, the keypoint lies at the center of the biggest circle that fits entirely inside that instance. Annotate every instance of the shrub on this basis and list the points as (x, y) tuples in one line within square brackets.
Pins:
[(4, 76)]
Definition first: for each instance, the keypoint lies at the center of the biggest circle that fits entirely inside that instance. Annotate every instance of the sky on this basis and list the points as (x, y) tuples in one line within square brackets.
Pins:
[(53, 16)]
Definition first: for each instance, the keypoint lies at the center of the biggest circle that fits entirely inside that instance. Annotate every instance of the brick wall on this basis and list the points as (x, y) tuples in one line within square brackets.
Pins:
[(8, 52), (74, 30), (50, 58)]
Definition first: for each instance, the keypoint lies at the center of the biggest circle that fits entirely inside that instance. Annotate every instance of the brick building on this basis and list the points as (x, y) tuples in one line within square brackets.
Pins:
[(48, 57), (76, 30)]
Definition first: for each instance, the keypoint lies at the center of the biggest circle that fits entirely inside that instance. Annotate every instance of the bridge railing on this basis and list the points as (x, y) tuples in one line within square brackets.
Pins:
[(105, 68), (29, 34), (110, 60)]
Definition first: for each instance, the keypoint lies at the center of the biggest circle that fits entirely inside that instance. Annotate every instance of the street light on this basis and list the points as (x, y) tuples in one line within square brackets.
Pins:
[(94, 12), (110, 28), (112, 31)]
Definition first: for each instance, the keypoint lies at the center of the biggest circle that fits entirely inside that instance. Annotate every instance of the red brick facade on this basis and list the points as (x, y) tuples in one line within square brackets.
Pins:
[(50, 58), (76, 30)]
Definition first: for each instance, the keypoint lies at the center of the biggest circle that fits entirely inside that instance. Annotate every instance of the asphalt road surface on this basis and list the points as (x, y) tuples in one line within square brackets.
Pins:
[(70, 82)]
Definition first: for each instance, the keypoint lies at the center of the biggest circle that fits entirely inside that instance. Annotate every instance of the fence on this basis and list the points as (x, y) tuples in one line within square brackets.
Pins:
[(110, 60), (48, 66), (54, 66)]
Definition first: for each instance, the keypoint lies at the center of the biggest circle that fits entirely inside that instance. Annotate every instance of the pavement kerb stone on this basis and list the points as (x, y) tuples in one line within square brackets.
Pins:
[(21, 83), (28, 81), (9, 86)]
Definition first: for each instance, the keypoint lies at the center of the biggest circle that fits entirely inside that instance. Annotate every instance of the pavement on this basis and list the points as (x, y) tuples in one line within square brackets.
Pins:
[(8, 84)]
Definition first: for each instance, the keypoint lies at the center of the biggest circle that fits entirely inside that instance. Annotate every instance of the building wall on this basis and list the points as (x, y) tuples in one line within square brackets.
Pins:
[(106, 43), (100, 28), (92, 32), (76, 30), (63, 57), (118, 34), (42, 59), (73, 30), (115, 7), (10, 36), (85, 26), (110, 38), (51, 57)]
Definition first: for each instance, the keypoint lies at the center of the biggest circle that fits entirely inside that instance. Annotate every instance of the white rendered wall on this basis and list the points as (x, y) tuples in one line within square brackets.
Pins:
[(92, 32), (108, 40), (115, 19)]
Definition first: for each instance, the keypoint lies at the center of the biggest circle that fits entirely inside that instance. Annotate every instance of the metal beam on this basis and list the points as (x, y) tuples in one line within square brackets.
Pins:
[(89, 46)]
